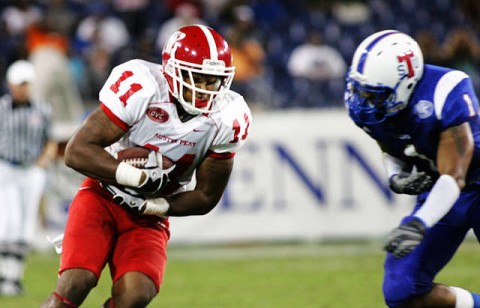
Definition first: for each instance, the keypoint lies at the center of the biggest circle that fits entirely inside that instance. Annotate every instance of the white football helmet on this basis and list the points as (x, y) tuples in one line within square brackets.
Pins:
[(385, 69), (197, 49)]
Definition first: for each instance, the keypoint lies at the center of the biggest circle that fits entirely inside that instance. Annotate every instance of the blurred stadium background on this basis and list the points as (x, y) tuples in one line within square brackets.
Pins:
[(307, 205)]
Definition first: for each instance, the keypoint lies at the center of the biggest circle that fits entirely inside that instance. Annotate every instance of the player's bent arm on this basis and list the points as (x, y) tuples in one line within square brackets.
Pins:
[(85, 150), (454, 154), (212, 177), (453, 159), (404, 178)]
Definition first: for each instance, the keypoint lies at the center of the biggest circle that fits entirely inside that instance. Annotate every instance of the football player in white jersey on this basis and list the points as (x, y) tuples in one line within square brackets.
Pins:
[(182, 109)]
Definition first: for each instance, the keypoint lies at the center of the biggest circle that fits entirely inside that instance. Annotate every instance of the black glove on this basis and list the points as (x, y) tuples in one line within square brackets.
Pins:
[(157, 177), (403, 239), (156, 180), (411, 183)]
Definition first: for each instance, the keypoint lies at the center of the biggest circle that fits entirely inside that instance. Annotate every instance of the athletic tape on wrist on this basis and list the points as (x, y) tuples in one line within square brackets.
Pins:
[(128, 175), (443, 195), (158, 207)]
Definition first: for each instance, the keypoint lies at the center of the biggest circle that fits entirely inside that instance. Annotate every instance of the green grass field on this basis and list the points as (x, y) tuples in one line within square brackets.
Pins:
[(326, 275)]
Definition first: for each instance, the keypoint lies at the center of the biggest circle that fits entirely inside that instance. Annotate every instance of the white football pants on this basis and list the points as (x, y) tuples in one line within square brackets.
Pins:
[(21, 189)]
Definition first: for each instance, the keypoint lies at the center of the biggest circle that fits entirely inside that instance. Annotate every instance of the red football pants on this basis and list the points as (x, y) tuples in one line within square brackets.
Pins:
[(99, 231)]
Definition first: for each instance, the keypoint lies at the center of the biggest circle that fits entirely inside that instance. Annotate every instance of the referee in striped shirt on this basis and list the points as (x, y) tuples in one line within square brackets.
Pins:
[(25, 151)]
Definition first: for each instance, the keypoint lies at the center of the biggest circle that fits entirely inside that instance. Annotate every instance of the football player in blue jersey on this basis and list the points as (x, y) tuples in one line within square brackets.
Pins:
[(426, 121)]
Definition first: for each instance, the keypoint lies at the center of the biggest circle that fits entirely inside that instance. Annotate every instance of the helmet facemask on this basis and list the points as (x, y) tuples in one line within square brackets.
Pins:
[(183, 76), (372, 104), (194, 54)]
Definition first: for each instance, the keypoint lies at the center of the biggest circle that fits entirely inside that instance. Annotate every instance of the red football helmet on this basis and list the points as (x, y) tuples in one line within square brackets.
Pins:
[(197, 49)]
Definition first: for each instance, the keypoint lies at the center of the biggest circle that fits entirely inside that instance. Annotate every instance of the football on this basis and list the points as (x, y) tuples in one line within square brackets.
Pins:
[(138, 157), (135, 156)]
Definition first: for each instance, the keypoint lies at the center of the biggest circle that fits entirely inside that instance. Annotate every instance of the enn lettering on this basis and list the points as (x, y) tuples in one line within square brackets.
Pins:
[(171, 140)]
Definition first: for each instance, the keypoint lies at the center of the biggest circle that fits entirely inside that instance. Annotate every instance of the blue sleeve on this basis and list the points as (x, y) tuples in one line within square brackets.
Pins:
[(461, 105)]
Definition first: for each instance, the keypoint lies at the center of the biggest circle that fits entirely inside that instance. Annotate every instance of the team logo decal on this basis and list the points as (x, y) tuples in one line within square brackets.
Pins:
[(408, 58), (423, 109), (158, 115), (173, 43)]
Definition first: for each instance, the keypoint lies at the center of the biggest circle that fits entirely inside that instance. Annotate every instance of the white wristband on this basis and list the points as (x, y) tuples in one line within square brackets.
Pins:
[(392, 164), (128, 175), (463, 297), (158, 207), (442, 197)]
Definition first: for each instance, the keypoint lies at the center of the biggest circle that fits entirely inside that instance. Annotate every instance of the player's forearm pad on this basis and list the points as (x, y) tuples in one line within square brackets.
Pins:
[(443, 195)]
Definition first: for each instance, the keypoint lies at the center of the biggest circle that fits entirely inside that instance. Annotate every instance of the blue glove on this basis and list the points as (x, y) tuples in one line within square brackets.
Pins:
[(403, 239)]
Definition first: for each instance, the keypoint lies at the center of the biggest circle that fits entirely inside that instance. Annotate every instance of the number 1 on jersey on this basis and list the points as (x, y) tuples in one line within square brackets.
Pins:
[(134, 87), (237, 129)]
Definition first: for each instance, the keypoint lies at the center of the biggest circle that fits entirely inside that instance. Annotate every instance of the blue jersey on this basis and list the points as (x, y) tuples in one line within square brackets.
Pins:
[(443, 98)]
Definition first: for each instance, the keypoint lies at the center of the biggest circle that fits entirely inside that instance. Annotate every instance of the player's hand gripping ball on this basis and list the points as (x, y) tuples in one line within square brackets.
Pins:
[(149, 161)]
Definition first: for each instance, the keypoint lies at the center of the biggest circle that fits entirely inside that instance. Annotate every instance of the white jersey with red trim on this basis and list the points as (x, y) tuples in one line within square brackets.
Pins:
[(136, 97)]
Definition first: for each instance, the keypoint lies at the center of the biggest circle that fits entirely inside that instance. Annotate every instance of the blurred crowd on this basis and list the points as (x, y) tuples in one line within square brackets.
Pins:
[(288, 54)]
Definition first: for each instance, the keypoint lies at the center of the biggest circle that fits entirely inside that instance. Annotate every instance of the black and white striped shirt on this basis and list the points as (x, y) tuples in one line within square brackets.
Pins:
[(24, 130)]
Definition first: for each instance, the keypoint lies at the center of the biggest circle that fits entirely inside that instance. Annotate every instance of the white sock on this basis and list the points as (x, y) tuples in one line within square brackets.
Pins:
[(464, 299)]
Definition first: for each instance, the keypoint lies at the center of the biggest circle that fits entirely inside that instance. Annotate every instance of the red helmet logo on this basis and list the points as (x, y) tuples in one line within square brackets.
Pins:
[(196, 49)]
